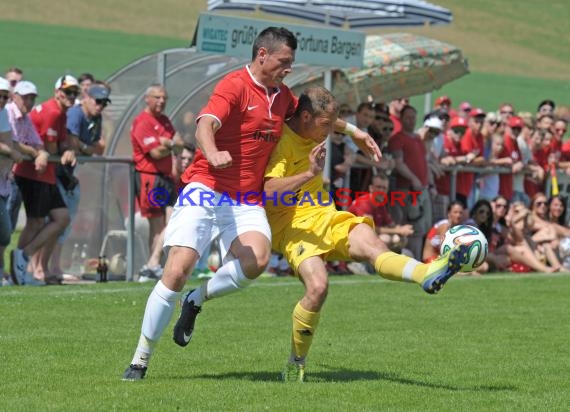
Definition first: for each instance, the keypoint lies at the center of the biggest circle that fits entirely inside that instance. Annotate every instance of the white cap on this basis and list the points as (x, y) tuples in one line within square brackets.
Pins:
[(66, 81), (433, 123), (4, 84), (25, 87)]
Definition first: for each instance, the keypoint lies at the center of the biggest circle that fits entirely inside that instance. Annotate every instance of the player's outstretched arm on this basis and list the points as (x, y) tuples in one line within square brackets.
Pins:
[(294, 183)]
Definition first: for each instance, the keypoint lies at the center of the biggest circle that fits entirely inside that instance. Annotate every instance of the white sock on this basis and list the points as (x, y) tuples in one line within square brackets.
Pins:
[(228, 279), (159, 309), (143, 352)]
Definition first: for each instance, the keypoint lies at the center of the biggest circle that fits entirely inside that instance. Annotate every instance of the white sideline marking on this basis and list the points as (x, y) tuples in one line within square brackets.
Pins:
[(75, 290)]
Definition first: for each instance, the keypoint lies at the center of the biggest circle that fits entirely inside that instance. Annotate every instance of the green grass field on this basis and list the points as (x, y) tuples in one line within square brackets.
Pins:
[(491, 343)]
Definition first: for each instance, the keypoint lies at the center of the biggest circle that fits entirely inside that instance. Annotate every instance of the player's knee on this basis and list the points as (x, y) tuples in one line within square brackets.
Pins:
[(254, 263), (318, 291)]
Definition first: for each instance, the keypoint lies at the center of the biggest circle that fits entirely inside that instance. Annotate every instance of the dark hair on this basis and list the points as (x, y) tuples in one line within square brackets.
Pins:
[(85, 76), (502, 220), (364, 105), (382, 108), (15, 70), (455, 203), (546, 102), (406, 108), (273, 37), (190, 147), (487, 226), (562, 219)]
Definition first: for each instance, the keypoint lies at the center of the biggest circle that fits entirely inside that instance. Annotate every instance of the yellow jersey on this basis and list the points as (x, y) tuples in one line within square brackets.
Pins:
[(291, 209)]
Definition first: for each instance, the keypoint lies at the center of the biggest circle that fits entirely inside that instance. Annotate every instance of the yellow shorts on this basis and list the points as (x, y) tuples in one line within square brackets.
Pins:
[(322, 234)]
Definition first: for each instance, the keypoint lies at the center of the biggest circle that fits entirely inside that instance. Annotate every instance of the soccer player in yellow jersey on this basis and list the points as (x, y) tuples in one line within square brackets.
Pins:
[(307, 229)]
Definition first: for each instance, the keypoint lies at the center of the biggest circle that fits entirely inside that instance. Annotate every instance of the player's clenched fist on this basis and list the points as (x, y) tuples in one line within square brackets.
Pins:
[(220, 160)]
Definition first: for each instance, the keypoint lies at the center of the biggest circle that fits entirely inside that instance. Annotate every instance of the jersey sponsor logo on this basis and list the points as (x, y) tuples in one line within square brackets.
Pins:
[(265, 136), (251, 107), (148, 140)]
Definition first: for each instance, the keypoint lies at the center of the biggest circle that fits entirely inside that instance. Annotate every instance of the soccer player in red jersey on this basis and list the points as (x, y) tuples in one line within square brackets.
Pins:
[(237, 131)]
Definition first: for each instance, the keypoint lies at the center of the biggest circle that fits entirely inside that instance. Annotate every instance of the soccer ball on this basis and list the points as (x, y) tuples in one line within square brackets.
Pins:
[(471, 236)]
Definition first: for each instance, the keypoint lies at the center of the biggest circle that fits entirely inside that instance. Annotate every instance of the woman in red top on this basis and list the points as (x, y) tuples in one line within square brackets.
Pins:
[(435, 236)]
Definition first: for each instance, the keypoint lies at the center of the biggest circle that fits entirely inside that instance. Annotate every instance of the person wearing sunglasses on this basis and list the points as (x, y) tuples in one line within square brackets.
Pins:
[(39, 191), (84, 130), (545, 235)]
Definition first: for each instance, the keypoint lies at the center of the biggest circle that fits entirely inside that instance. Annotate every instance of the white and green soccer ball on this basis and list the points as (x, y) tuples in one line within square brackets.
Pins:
[(471, 236)]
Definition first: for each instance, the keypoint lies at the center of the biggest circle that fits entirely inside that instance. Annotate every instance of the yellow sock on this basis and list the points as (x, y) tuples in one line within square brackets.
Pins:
[(392, 266), (304, 325)]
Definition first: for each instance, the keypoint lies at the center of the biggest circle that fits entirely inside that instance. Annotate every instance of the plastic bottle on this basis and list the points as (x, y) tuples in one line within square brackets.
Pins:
[(75, 267), (83, 259)]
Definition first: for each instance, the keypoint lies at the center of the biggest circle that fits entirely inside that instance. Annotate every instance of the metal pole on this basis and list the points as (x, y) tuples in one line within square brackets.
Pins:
[(427, 103), (161, 68), (131, 225), (327, 171)]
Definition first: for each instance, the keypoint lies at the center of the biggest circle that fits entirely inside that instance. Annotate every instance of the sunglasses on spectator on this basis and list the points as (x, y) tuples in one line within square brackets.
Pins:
[(458, 130), (433, 131), (558, 130), (70, 93), (507, 112), (540, 203), (4, 96), (494, 122), (500, 205), (102, 102)]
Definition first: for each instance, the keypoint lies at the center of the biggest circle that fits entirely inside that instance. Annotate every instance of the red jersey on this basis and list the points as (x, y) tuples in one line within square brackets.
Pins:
[(379, 214), (414, 155), (397, 124), (251, 119), (510, 149), (471, 144), (443, 184), (565, 151), (145, 133), (50, 121)]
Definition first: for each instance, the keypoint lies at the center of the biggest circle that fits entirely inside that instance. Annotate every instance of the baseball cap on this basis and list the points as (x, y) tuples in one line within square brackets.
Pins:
[(442, 100), (516, 122), (465, 106), (4, 84), (65, 82), (99, 92), (433, 123), (492, 117), (476, 112), (458, 122), (25, 87)]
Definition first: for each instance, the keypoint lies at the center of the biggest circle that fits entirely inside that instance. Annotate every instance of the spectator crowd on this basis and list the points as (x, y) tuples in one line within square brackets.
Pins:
[(502, 160)]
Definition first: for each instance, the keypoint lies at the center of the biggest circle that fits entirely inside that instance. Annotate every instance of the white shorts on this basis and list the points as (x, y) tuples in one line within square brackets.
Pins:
[(195, 223)]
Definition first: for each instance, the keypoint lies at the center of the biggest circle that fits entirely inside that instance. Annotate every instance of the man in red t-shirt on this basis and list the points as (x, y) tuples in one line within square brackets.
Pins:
[(154, 142), (395, 108), (237, 131), (413, 173), (454, 155), (472, 142), (511, 151), (40, 194)]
